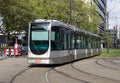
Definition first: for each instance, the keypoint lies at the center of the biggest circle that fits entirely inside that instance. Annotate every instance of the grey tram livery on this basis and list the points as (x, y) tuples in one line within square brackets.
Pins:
[(53, 42)]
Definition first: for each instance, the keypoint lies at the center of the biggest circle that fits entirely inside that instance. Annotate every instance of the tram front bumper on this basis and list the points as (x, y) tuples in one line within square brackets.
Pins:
[(39, 61)]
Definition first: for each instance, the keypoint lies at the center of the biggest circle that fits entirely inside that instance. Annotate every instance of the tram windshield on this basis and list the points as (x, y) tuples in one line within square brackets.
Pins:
[(39, 42)]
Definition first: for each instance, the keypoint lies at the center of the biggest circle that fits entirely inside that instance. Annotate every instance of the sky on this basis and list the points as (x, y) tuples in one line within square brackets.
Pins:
[(113, 8)]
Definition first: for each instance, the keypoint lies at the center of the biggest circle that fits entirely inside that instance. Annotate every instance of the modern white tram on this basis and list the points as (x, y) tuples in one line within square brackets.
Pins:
[(53, 42)]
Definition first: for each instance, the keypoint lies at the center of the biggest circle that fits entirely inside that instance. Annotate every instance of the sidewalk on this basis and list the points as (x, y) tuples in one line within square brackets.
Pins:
[(1, 57)]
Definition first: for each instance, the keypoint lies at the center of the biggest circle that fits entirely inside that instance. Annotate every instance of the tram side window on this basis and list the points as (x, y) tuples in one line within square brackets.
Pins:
[(89, 43), (65, 41), (77, 41), (83, 42), (68, 41), (62, 39), (55, 38), (95, 43), (97, 46), (86, 42), (72, 40), (92, 43), (98, 43)]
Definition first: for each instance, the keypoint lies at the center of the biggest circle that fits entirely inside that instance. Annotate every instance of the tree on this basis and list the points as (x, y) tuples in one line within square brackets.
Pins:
[(51, 9), (20, 12), (16, 15), (88, 17)]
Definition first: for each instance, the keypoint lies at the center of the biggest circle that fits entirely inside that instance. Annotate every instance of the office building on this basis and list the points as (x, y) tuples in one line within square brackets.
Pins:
[(100, 6)]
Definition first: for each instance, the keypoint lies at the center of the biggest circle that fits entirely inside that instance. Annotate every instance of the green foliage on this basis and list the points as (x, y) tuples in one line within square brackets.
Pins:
[(60, 10), (18, 13), (107, 39), (91, 20), (112, 53), (50, 9)]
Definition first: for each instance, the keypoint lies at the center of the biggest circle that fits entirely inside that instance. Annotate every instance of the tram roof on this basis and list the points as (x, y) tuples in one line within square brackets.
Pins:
[(58, 23), (86, 32), (53, 22)]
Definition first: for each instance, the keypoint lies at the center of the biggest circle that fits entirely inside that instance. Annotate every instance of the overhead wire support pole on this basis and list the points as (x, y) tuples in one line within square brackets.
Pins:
[(70, 12), (107, 25)]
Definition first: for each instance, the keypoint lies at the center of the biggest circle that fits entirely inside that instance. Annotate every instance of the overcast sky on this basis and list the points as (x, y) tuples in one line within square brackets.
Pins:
[(113, 8)]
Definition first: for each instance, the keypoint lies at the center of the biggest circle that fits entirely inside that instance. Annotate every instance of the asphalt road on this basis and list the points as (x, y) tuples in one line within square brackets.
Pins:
[(92, 70)]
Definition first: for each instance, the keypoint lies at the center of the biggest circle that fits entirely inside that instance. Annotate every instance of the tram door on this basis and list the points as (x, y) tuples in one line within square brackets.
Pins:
[(69, 44)]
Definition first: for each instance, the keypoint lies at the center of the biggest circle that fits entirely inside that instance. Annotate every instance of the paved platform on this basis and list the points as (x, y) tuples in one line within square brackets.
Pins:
[(2, 57)]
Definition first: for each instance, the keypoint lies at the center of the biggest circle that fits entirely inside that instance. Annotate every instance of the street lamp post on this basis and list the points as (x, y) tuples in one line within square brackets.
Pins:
[(70, 12), (107, 25)]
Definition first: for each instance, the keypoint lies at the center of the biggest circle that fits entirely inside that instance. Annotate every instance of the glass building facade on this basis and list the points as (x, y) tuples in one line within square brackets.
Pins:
[(100, 6)]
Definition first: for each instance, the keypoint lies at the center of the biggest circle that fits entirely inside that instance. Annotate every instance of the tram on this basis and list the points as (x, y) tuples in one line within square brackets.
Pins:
[(53, 42)]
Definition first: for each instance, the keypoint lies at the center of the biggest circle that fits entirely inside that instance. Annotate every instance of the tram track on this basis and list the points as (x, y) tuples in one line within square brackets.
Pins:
[(63, 74), (69, 76), (94, 76), (106, 66), (46, 75), (87, 74), (113, 61), (25, 71), (19, 73)]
